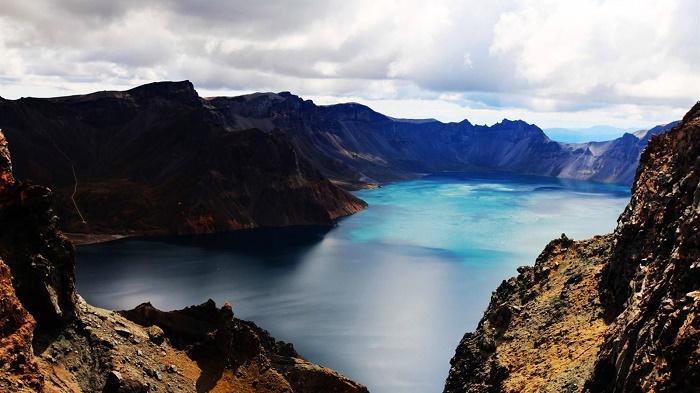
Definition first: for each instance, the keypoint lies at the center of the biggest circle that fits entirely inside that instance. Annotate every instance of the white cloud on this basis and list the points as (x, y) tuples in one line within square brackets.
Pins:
[(620, 62), (608, 51)]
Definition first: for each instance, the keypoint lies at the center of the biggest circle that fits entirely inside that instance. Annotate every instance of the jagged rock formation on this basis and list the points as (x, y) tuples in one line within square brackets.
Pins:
[(40, 258), (17, 370), (52, 341), (238, 351), (617, 313), (354, 144), (652, 283), (16, 324), (541, 329), (158, 159)]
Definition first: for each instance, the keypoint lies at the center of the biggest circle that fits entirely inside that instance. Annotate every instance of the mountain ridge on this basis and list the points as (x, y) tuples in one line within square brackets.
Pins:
[(160, 159), (400, 148), (156, 160)]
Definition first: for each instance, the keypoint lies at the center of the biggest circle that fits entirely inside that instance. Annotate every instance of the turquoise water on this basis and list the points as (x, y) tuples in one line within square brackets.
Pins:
[(385, 295)]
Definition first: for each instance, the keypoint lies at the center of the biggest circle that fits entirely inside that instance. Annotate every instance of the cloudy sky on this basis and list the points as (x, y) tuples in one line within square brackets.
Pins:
[(555, 63)]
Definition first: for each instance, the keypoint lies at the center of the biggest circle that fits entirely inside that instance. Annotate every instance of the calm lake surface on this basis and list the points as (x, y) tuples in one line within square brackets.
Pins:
[(384, 296)]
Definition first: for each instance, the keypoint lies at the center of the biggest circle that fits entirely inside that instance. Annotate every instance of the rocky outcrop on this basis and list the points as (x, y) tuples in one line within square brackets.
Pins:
[(652, 284), (40, 258), (198, 349), (617, 313), (52, 341), (541, 329), (17, 368), (158, 159), (213, 337)]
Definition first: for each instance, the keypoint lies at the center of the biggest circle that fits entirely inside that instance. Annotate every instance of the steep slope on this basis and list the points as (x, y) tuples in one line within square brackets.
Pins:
[(159, 159), (17, 370), (617, 313), (652, 283), (52, 341), (354, 144)]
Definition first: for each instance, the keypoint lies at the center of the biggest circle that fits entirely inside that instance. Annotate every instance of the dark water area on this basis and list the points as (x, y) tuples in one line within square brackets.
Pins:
[(386, 294)]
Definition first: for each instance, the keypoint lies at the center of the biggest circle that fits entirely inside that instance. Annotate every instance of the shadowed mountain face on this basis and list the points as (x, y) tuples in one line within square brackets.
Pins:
[(159, 159), (354, 144)]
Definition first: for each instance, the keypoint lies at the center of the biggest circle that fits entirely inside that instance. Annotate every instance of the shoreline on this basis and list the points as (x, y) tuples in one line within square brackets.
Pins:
[(83, 239)]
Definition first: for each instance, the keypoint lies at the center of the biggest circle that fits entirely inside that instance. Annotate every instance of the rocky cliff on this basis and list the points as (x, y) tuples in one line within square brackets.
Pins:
[(52, 341), (158, 159), (617, 313)]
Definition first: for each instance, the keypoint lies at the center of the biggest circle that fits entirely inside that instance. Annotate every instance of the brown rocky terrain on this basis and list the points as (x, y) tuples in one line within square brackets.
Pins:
[(17, 370), (617, 313), (52, 341)]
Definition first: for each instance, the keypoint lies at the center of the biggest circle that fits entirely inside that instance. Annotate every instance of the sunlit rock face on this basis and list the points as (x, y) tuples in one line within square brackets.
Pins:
[(16, 332), (651, 286), (617, 313)]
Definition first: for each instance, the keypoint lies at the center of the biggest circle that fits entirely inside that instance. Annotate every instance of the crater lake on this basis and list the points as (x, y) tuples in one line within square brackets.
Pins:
[(385, 295)]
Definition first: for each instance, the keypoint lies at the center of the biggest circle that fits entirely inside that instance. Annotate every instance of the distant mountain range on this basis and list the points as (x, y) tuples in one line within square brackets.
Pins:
[(352, 144), (160, 159)]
